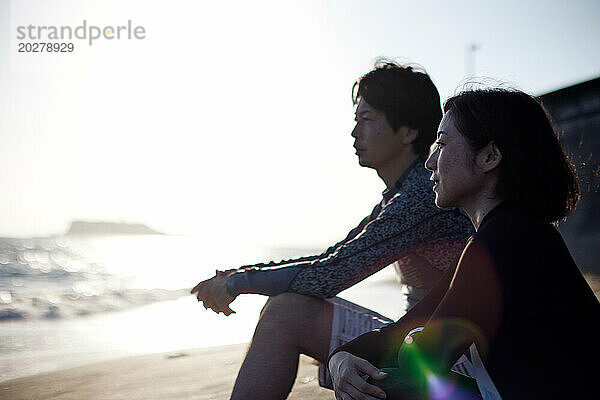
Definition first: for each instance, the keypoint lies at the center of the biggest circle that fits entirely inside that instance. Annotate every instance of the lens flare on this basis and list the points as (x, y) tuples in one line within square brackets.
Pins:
[(438, 386)]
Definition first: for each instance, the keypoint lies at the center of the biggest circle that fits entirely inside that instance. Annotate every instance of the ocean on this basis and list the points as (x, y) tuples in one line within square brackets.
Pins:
[(71, 300)]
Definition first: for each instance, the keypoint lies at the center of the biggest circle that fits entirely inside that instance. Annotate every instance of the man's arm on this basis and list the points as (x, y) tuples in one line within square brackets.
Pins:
[(391, 237), (218, 292), (408, 225), (273, 278)]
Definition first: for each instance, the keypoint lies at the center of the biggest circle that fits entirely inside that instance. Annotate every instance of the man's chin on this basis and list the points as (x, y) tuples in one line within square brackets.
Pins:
[(364, 163)]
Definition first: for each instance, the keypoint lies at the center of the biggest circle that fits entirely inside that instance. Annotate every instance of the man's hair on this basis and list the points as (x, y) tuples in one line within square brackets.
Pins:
[(406, 96), (534, 170)]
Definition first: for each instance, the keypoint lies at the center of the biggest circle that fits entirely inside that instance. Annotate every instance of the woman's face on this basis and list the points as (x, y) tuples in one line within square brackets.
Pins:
[(451, 162)]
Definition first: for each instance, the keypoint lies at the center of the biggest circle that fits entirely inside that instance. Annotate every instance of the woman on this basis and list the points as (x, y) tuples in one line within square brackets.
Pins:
[(517, 309)]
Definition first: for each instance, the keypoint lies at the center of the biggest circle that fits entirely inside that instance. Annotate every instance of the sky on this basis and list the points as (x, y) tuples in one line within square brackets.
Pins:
[(231, 120)]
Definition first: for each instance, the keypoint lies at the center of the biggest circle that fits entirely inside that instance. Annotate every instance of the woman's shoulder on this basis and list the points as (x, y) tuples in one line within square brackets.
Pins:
[(515, 235), (517, 240), (514, 223)]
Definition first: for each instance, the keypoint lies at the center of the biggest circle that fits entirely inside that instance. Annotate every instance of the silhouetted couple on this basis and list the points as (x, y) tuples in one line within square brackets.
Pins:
[(484, 317)]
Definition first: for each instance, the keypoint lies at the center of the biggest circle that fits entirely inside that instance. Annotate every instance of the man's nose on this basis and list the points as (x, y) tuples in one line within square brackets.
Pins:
[(355, 132), (431, 162)]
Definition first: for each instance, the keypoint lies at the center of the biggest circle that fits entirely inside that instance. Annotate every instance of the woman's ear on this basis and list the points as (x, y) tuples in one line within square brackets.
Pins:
[(489, 157)]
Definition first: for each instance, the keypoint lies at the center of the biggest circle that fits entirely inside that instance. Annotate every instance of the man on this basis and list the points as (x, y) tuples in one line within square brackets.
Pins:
[(397, 115)]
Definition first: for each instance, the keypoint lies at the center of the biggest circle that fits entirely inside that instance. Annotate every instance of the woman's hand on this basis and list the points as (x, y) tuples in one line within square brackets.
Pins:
[(347, 373)]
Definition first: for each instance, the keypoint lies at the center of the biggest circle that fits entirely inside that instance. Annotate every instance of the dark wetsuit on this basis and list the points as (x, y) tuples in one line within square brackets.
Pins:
[(518, 295)]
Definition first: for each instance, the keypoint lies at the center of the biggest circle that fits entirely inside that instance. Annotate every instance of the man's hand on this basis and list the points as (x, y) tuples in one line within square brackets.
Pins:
[(213, 292), (347, 371)]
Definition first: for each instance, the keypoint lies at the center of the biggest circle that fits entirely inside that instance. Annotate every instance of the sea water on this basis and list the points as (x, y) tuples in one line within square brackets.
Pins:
[(70, 300)]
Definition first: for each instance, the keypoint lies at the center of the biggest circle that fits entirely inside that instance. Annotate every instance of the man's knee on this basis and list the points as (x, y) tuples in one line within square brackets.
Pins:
[(302, 322), (294, 305), (292, 310)]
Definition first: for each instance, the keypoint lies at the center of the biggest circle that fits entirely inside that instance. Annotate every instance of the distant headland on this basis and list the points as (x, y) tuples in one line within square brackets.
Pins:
[(109, 228)]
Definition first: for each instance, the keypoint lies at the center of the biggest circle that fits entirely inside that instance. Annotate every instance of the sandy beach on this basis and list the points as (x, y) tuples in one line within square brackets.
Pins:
[(187, 374), (190, 374), (160, 351)]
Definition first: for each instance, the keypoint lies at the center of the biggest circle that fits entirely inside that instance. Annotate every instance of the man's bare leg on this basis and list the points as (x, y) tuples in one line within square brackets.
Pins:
[(289, 325)]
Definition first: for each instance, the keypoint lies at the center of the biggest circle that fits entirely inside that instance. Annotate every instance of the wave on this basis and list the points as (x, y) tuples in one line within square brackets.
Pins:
[(49, 278), (73, 304)]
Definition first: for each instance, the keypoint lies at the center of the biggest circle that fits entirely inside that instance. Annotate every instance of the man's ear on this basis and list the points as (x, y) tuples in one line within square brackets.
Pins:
[(408, 134), (489, 157)]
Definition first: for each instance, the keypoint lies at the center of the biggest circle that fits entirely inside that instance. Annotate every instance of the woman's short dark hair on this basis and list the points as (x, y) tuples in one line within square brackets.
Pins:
[(535, 170), (406, 96)]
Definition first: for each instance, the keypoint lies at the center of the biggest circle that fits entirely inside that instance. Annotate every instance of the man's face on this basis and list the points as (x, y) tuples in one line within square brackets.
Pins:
[(376, 143)]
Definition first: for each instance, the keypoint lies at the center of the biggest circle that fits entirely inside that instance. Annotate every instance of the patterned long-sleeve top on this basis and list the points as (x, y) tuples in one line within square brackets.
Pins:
[(405, 228)]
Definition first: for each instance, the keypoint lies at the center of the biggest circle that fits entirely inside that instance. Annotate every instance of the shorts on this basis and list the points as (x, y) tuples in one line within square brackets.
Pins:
[(349, 321)]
